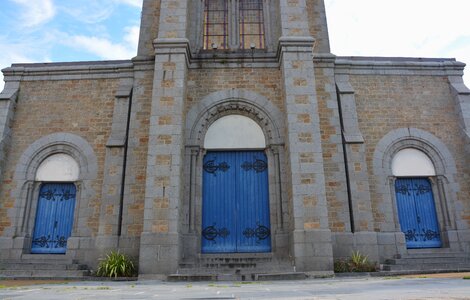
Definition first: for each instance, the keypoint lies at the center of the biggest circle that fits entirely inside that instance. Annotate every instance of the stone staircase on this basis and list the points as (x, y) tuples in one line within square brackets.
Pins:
[(39, 266), (236, 267), (428, 260)]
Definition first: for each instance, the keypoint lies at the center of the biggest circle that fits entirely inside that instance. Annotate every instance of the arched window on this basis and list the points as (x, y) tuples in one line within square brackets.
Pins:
[(411, 162), (58, 168), (234, 132)]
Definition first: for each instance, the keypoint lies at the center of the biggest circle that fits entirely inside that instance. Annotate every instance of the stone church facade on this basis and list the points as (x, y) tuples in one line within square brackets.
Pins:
[(235, 134)]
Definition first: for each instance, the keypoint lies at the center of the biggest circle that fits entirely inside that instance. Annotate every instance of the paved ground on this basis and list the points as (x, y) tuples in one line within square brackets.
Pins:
[(419, 287)]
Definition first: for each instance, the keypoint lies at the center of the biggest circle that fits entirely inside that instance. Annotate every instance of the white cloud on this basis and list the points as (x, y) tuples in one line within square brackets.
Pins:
[(418, 28), (136, 3), (132, 36), (89, 11), (35, 13), (102, 47), (94, 11), (24, 51)]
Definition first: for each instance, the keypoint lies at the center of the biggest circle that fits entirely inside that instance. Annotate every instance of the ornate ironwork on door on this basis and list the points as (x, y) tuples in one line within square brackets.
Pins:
[(235, 215), (54, 218), (210, 233), (211, 167), (261, 232), (258, 165), (417, 213)]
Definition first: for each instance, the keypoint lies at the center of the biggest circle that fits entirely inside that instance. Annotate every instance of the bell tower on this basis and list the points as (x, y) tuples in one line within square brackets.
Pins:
[(224, 39)]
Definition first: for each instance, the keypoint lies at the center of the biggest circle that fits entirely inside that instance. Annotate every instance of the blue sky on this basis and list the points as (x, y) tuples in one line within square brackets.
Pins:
[(53, 30)]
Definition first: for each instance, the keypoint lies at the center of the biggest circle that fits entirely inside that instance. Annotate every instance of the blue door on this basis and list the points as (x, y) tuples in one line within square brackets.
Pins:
[(235, 211), (417, 213), (54, 218)]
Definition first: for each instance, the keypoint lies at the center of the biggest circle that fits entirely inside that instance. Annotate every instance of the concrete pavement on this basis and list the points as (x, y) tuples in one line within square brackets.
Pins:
[(419, 287)]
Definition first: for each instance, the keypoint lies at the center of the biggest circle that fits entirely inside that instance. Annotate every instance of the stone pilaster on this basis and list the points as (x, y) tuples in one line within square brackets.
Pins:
[(110, 224), (363, 238), (160, 245), (461, 95), (310, 234), (8, 99)]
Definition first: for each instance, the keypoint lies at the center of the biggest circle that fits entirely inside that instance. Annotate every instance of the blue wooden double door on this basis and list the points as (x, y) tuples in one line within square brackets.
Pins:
[(417, 213), (235, 210), (54, 218)]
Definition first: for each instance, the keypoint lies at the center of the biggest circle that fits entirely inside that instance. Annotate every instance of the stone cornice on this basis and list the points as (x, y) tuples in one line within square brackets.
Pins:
[(69, 70), (397, 66)]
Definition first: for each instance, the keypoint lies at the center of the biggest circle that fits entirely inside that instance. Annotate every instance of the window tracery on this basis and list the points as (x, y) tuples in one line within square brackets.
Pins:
[(229, 23)]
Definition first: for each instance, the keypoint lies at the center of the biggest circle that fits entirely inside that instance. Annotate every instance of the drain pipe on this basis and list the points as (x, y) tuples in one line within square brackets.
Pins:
[(346, 167), (124, 167)]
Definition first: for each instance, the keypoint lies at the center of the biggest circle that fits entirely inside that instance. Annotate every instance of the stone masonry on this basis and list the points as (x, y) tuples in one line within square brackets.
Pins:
[(332, 127)]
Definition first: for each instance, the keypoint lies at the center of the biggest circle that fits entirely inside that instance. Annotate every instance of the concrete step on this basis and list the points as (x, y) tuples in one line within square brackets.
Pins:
[(238, 267), (42, 266), (19, 274), (238, 277), (234, 267), (443, 260), (427, 267), (424, 255), (39, 266), (50, 258), (417, 260), (212, 271)]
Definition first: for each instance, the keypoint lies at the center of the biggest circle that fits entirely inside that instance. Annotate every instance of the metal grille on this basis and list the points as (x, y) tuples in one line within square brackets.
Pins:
[(215, 24), (251, 24)]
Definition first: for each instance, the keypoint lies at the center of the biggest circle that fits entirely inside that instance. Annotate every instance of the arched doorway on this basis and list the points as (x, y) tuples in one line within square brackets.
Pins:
[(56, 204), (415, 200), (235, 206)]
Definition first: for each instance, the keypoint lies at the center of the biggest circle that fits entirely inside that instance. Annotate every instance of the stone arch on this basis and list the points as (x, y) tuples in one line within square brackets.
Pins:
[(27, 190), (71, 144), (234, 101), (424, 141), (444, 184)]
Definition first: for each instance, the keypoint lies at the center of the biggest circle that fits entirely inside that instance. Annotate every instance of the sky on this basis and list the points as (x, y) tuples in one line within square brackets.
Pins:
[(79, 30)]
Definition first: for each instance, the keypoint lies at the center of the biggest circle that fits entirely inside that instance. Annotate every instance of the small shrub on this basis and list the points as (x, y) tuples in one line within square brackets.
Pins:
[(116, 265), (356, 263), (341, 266)]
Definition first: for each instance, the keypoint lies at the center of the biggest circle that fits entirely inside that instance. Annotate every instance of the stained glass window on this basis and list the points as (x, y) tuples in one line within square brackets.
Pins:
[(220, 19), (215, 24), (251, 23)]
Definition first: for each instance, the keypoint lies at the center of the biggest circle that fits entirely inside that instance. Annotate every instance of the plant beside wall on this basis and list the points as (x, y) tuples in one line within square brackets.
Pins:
[(115, 265), (356, 263)]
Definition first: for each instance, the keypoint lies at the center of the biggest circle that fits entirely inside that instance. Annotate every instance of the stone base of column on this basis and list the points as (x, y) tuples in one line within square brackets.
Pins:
[(312, 250), (191, 247), (463, 237), (390, 244), (159, 254), (344, 243)]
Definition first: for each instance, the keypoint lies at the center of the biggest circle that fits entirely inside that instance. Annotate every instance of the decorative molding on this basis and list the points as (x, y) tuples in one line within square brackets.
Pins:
[(396, 66), (227, 102), (347, 102), (120, 114), (70, 71)]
